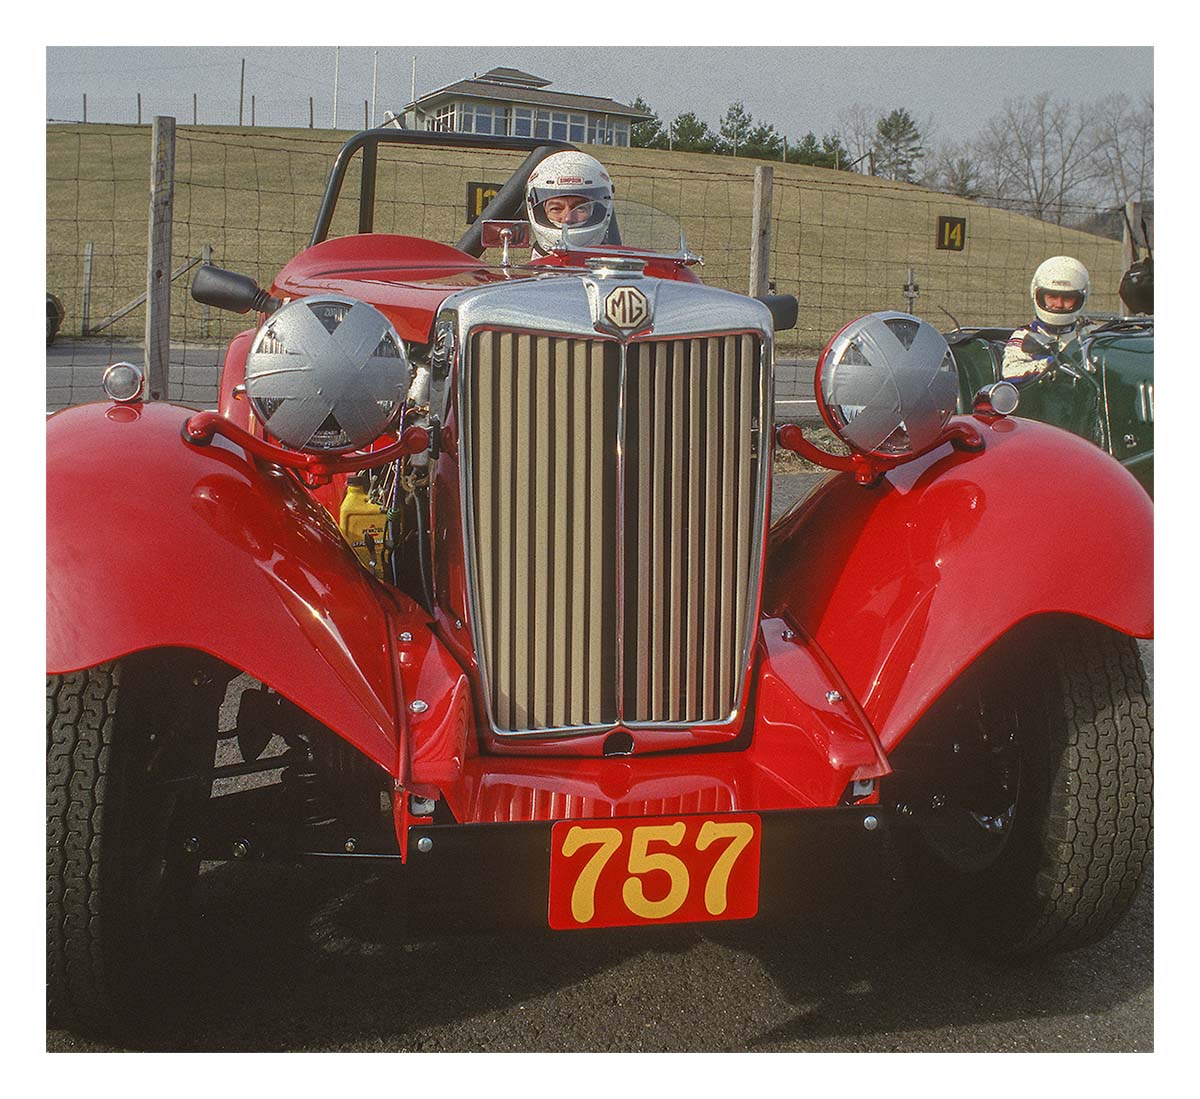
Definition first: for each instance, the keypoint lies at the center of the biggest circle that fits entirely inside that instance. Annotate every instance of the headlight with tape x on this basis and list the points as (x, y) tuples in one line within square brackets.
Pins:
[(327, 373)]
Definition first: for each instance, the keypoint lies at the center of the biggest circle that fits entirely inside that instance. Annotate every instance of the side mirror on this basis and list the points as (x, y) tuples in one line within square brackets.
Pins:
[(229, 290), (784, 310)]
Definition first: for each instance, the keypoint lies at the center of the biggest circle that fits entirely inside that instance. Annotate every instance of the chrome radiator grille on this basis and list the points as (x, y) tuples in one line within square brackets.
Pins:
[(612, 508)]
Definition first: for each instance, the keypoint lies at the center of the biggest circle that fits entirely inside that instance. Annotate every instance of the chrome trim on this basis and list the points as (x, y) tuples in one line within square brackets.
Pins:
[(561, 308)]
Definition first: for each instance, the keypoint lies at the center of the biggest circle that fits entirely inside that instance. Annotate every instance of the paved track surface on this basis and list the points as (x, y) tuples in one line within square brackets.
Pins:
[(306, 959)]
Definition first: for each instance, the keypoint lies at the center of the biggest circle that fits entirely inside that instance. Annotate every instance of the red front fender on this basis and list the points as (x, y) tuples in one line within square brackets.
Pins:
[(153, 542), (903, 585)]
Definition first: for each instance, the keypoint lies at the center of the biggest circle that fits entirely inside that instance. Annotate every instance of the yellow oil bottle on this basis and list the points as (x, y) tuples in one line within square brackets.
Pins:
[(362, 524)]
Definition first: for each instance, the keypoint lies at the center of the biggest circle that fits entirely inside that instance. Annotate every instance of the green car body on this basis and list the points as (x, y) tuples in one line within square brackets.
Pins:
[(1107, 396)]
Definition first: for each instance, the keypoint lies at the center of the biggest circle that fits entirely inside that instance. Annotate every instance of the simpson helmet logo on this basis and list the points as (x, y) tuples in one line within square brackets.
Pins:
[(626, 307)]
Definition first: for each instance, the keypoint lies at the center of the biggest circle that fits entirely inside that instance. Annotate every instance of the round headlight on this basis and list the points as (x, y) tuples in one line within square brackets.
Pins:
[(123, 382), (327, 373), (886, 384)]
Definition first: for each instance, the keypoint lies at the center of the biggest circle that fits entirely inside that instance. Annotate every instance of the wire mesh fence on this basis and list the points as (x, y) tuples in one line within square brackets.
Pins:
[(844, 244)]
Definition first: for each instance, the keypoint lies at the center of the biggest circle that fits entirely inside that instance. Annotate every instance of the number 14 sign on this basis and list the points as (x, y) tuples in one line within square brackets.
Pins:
[(629, 871)]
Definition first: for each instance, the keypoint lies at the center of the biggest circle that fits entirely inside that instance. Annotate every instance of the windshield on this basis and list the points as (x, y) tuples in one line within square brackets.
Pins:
[(632, 225)]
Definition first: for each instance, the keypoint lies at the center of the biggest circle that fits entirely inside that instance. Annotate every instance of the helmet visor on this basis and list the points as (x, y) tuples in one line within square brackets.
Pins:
[(571, 211), (1059, 301)]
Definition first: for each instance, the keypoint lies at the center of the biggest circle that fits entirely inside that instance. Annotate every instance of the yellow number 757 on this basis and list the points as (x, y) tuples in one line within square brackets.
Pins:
[(641, 861)]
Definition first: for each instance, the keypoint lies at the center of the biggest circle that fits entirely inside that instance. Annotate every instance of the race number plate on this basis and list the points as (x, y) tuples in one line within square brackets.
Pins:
[(649, 870)]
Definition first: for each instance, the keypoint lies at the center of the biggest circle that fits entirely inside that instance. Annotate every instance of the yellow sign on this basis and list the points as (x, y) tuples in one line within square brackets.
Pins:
[(478, 196), (951, 234)]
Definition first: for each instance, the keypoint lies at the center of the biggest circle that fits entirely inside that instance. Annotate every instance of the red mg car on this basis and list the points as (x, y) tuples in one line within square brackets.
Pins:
[(490, 540)]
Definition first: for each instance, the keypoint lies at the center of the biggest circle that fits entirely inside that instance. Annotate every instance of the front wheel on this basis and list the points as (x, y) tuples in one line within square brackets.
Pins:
[(1032, 790), (129, 753)]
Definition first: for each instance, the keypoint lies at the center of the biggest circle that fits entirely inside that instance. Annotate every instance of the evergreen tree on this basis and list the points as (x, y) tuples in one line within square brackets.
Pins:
[(649, 134), (897, 146), (826, 153), (763, 142), (735, 128), (690, 134)]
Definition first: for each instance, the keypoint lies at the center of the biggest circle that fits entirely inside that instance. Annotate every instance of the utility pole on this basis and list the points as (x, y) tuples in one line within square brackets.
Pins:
[(242, 92), (374, 85), (337, 58), (413, 98)]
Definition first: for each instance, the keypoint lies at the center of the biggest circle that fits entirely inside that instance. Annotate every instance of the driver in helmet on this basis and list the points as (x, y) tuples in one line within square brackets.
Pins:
[(1059, 290), (568, 200)]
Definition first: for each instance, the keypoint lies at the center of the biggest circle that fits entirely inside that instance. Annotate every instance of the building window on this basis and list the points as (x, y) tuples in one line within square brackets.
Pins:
[(541, 124), (619, 133), (445, 118), (490, 119), (578, 127), (522, 122), (597, 131)]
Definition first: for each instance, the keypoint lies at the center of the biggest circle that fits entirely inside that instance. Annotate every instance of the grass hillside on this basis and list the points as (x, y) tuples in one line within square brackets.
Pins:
[(842, 243)]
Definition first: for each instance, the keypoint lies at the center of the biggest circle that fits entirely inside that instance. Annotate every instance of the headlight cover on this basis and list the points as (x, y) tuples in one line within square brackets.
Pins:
[(886, 384), (327, 373)]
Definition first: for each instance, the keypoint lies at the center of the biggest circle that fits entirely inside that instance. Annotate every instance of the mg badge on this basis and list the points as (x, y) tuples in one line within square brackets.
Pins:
[(626, 307)]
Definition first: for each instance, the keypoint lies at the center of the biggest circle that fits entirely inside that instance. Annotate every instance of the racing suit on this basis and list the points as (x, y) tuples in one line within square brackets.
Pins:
[(1018, 361)]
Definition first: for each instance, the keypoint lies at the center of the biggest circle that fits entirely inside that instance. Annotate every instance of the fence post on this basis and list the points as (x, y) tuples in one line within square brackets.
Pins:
[(206, 255), (158, 266), (1133, 217), (85, 323), (310, 112), (760, 230)]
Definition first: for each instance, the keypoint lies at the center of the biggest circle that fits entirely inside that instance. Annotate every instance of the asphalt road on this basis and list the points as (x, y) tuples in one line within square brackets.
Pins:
[(309, 959)]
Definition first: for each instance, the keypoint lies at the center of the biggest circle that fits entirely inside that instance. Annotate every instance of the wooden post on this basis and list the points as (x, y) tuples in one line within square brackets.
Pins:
[(242, 92), (252, 110), (366, 114), (310, 112), (1133, 218), (195, 114), (85, 322), (85, 106), (139, 95), (760, 230), (158, 266), (204, 313)]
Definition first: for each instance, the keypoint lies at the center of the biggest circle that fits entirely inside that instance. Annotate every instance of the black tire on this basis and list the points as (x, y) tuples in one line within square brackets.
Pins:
[(1067, 724), (129, 751)]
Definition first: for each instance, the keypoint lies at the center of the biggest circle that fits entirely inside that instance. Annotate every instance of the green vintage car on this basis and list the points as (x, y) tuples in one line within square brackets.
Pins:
[(1100, 386)]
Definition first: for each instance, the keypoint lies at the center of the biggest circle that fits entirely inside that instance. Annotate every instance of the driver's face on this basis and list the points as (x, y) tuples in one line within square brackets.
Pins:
[(1060, 301), (567, 209)]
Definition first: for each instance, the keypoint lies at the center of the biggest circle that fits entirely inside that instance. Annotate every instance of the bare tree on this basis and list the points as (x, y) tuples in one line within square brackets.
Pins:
[(856, 127), (956, 169), (1123, 158), (1041, 155)]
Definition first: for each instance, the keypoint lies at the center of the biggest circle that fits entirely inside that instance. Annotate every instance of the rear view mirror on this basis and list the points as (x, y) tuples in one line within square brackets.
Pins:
[(498, 233), (505, 235)]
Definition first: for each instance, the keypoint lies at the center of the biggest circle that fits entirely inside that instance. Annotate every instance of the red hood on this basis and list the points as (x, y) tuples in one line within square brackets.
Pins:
[(409, 277), (406, 277)]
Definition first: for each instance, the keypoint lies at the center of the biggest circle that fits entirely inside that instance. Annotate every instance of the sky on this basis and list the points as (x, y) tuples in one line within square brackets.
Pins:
[(796, 89)]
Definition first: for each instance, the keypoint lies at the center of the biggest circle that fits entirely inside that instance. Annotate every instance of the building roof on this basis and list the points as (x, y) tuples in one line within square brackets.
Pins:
[(535, 96), (513, 76)]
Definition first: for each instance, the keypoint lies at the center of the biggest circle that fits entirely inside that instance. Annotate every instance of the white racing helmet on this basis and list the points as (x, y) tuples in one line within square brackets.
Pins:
[(1062, 275), (563, 176)]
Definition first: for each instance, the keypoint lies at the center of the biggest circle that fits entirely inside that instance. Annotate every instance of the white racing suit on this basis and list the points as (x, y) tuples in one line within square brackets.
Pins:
[(1018, 361)]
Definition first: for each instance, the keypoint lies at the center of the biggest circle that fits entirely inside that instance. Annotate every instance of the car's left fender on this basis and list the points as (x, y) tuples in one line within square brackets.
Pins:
[(904, 584)]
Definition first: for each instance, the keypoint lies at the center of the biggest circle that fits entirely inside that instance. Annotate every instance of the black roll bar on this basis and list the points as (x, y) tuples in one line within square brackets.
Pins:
[(507, 199)]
